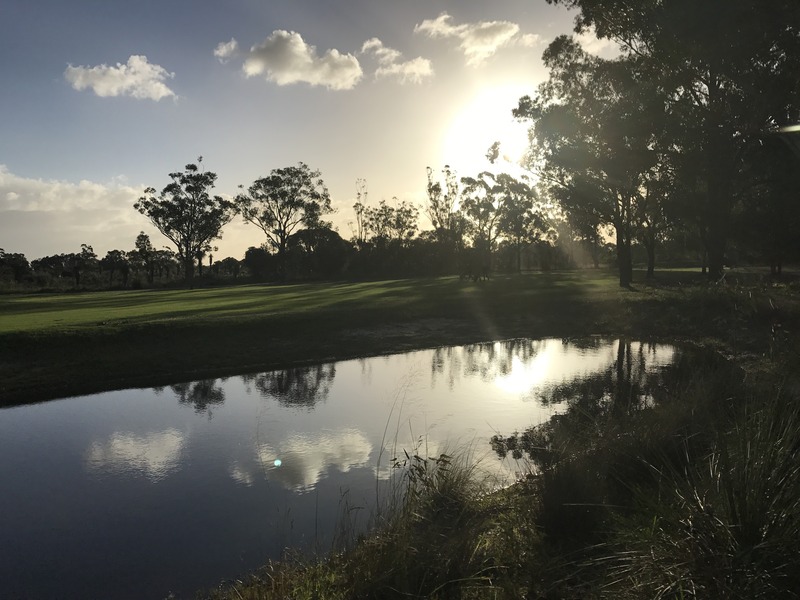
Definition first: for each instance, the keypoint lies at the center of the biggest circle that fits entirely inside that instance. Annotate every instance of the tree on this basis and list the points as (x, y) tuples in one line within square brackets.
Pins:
[(116, 260), (482, 205), (79, 263), (186, 213), (442, 202), (54, 266), (728, 72), (448, 222), (284, 201), (144, 255), (769, 220), (317, 252), (392, 224), (15, 264), (360, 227), (228, 267), (259, 262), (596, 123), (522, 219)]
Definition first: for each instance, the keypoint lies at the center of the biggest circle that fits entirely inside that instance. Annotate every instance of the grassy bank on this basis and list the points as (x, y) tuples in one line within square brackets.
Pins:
[(59, 345)]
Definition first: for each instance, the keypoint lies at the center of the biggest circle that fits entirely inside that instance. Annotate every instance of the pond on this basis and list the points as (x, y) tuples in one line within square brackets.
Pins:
[(142, 492)]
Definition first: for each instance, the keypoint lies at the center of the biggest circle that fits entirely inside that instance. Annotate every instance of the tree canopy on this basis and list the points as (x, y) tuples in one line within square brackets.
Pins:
[(186, 213), (727, 75), (283, 202)]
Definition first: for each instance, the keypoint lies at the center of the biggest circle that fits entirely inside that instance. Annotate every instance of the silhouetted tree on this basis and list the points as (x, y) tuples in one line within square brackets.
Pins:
[(79, 263), (728, 73), (116, 261), (596, 122), (769, 221), (14, 266), (186, 213), (317, 252), (360, 225), (284, 201), (228, 266), (260, 263)]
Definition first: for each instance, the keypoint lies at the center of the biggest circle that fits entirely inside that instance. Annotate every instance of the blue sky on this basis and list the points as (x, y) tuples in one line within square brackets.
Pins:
[(101, 98)]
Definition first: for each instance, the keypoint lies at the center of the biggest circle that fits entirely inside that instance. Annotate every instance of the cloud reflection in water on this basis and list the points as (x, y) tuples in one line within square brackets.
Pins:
[(155, 455), (305, 458)]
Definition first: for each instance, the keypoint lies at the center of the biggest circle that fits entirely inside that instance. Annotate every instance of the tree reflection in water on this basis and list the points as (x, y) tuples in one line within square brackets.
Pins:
[(298, 386), (202, 395), (597, 405), (615, 425), (487, 360)]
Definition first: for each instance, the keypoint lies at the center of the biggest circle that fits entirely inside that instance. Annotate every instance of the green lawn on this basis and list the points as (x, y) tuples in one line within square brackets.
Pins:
[(53, 345)]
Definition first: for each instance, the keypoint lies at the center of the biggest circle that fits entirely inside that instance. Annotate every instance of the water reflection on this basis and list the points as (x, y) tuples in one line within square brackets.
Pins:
[(639, 376), (298, 386), (333, 427), (202, 395), (154, 455), (306, 458), (485, 360)]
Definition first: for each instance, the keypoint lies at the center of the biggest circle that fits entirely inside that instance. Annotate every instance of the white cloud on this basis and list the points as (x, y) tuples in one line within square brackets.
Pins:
[(530, 40), (392, 65), (38, 195), (137, 78), (40, 217), (604, 47), (285, 58), (478, 41), (226, 50)]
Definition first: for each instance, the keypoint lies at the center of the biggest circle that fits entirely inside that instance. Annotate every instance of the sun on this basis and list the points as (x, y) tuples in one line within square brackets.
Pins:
[(486, 118)]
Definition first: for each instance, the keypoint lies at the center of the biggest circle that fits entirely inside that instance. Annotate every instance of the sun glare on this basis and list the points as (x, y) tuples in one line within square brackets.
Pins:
[(484, 119), (523, 378)]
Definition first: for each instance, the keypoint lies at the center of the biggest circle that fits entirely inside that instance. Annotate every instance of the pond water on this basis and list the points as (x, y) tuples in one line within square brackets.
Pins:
[(142, 492)]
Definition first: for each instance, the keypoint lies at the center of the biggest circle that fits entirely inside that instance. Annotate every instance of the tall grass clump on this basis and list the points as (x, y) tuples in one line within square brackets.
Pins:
[(728, 524), (425, 543), (444, 531)]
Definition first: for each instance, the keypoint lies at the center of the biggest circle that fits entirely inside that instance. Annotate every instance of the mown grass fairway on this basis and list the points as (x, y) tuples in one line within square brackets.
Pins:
[(57, 345)]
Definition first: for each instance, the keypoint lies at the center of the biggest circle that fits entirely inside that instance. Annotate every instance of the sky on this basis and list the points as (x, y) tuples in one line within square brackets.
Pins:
[(100, 99)]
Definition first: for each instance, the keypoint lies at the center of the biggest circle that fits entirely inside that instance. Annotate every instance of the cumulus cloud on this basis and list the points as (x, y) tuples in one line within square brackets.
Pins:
[(43, 217), (285, 58), (599, 47), (39, 195), (226, 50), (478, 41), (137, 78), (392, 65), (530, 40)]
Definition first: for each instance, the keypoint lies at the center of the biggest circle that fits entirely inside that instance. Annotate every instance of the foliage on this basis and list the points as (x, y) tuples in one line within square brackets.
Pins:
[(14, 266), (186, 213), (596, 122), (284, 201), (724, 86)]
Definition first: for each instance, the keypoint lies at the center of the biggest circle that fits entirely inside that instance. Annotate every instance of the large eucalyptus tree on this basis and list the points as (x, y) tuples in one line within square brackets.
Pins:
[(186, 213), (727, 71)]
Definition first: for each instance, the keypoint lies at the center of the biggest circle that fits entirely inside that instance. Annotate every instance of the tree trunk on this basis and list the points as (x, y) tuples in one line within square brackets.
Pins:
[(719, 162), (188, 269), (624, 259), (650, 246)]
